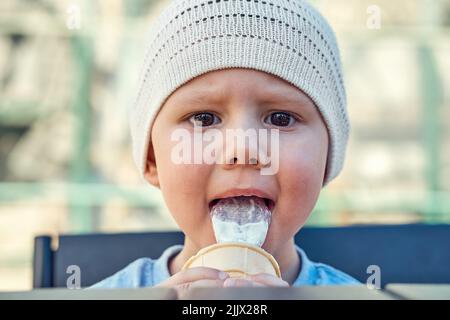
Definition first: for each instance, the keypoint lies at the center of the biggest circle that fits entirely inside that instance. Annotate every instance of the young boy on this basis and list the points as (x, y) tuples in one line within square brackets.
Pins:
[(228, 65)]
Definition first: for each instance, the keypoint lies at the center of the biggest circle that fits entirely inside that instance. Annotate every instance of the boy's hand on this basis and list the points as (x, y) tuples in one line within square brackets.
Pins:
[(198, 277), (256, 280)]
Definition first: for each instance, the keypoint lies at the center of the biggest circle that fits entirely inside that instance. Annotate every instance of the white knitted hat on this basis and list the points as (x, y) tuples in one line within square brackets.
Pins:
[(287, 38)]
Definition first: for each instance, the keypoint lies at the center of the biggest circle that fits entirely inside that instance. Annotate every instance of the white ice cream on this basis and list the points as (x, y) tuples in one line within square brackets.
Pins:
[(230, 231), (241, 219)]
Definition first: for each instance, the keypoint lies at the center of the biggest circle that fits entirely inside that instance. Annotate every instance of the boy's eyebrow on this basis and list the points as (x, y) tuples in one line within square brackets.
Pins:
[(205, 95), (288, 98), (202, 96)]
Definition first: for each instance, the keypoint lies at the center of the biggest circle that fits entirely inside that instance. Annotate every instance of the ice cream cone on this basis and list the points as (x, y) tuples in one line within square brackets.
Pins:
[(236, 258)]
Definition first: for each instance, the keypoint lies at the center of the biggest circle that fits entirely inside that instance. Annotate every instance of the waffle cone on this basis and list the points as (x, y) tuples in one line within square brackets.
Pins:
[(236, 258)]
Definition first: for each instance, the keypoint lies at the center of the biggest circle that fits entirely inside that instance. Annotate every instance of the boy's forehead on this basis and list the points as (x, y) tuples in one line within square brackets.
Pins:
[(220, 84), (222, 77)]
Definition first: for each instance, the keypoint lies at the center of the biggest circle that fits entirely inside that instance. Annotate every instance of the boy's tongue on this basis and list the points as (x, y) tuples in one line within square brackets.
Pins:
[(241, 219)]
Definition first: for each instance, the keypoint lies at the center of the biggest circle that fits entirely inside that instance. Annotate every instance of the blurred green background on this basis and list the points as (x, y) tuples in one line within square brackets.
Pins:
[(68, 71)]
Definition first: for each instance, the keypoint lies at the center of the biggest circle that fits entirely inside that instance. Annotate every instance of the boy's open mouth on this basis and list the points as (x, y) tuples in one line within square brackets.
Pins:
[(270, 204)]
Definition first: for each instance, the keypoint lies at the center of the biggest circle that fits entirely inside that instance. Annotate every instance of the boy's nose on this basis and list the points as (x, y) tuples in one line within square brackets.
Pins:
[(234, 160), (243, 154), (242, 144)]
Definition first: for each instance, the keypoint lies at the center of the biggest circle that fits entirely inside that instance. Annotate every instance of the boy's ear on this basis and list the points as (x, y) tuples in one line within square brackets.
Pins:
[(151, 172)]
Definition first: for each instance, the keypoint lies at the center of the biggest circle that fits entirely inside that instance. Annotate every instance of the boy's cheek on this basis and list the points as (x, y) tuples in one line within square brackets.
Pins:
[(188, 208), (300, 181), (302, 162), (180, 185), (291, 214)]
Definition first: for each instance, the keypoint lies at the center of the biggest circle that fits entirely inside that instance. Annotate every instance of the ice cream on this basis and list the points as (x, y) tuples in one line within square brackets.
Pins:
[(241, 219), (240, 226), (229, 231)]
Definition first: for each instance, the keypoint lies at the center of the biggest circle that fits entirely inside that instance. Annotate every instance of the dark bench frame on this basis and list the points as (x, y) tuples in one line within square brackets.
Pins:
[(416, 253)]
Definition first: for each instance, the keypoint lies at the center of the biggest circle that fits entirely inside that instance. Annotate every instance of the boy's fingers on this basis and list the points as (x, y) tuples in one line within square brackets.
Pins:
[(206, 284), (233, 282), (183, 288), (268, 280), (195, 274)]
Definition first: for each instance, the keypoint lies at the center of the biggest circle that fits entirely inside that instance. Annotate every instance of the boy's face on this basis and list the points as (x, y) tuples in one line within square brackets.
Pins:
[(240, 99)]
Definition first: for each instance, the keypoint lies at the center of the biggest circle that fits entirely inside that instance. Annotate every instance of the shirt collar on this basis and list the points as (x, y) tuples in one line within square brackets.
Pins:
[(161, 266), (306, 274)]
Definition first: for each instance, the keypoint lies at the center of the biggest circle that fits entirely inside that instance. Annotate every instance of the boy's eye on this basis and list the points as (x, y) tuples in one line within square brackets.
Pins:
[(204, 119), (280, 119)]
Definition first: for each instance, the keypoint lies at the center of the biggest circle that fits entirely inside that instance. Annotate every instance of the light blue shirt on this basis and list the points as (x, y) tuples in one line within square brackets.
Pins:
[(146, 272)]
